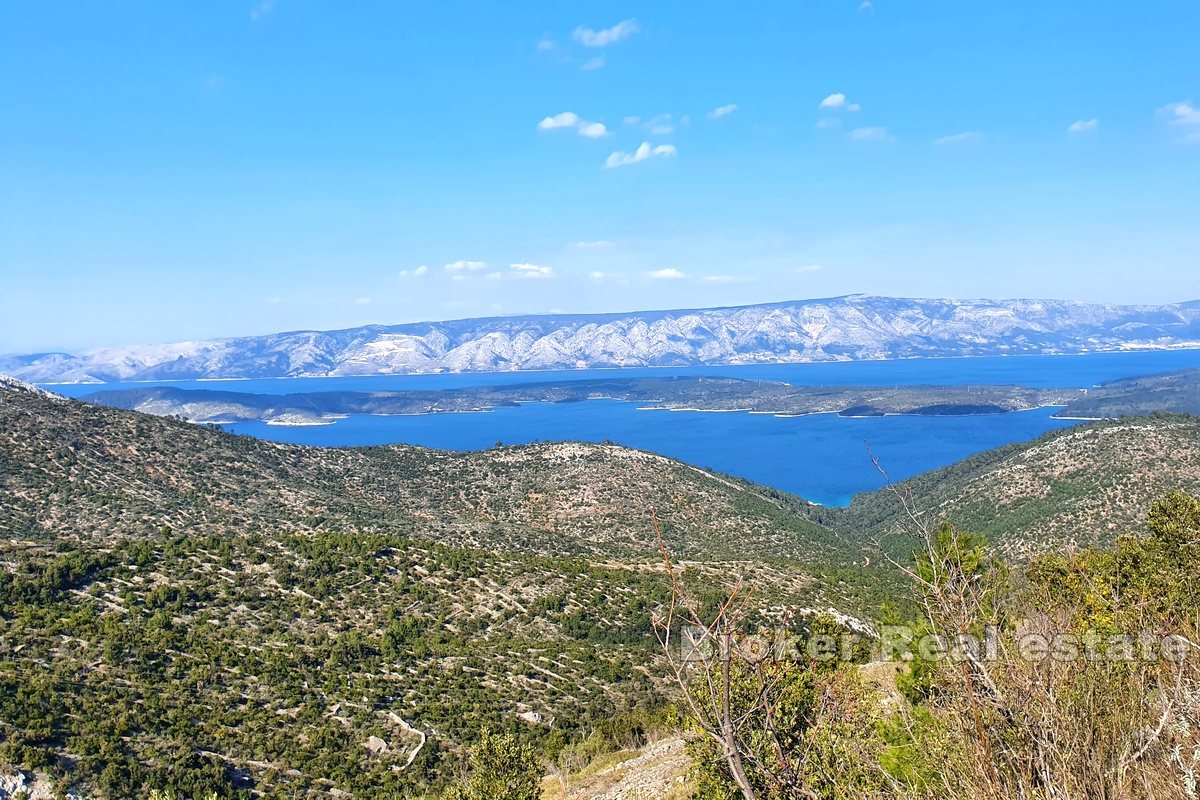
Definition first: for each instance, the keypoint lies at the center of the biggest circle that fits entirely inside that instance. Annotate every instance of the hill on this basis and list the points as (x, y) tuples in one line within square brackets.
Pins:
[(841, 328), (1166, 393), (1076, 486), (186, 607)]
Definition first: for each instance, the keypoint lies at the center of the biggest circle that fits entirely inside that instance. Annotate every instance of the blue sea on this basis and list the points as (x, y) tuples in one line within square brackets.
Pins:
[(821, 457)]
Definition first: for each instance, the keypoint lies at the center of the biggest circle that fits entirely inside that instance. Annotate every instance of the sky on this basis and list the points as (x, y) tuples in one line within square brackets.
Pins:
[(180, 170)]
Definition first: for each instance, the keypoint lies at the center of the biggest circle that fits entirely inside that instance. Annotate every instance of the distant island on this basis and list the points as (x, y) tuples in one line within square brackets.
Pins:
[(854, 327), (1174, 392)]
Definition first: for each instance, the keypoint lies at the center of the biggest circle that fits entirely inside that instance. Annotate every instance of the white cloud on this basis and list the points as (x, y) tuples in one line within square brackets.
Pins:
[(852, 107), (666, 274), (600, 244), (633, 120), (661, 125), (363, 301), (829, 122), (593, 130), (866, 5), (545, 44), (958, 138), (1185, 115), (593, 63), (1083, 126), (274, 301), (262, 9), (465, 266), (421, 270), (606, 36), (493, 276), (835, 100), (806, 269), (569, 119), (531, 271), (870, 135), (644, 151), (597, 276), (728, 279), (722, 111)]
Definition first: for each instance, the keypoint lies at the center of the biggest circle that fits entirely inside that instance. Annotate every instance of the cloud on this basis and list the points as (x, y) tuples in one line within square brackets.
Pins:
[(866, 5), (212, 82), (593, 63), (829, 122), (806, 269), (600, 244), (606, 36), (1185, 115), (644, 151), (416, 273), (666, 274), (274, 301), (835, 100), (728, 279), (545, 44), (958, 138), (593, 130), (465, 266), (722, 111), (363, 301), (597, 276), (531, 271), (569, 119), (632, 120), (262, 9), (661, 125), (870, 135), (1083, 126)]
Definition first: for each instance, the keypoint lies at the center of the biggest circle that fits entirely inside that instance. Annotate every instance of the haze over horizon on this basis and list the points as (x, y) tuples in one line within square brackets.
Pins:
[(178, 172)]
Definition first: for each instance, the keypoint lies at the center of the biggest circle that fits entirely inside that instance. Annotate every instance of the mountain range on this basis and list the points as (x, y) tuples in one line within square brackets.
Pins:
[(843, 328)]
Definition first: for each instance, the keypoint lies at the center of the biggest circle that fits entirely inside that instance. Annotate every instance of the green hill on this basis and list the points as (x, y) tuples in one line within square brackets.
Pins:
[(187, 607), (1076, 486)]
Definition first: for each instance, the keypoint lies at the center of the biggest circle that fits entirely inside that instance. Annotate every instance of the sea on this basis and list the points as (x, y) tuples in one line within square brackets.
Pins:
[(821, 457)]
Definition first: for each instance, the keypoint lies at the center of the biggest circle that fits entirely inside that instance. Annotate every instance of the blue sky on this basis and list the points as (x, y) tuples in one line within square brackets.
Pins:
[(181, 170)]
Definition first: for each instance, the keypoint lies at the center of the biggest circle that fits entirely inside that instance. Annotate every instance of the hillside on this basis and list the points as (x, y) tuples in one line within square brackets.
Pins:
[(182, 606), (1166, 393), (842, 328), (1075, 486)]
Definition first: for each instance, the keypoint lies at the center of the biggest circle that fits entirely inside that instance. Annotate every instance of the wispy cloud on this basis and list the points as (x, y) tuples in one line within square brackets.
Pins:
[(644, 151), (262, 9), (661, 125), (212, 82), (605, 36), (599, 244), (958, 138), (729, 279), (838, 102), (1186, 117), (805, 269), (866, 6), (415, 273), (531, 271), (593, 63), (569, 119), (545, 44), (363, 301), (465, 266), (878, 134), (1083, 126), (666, 274), (722, 111)]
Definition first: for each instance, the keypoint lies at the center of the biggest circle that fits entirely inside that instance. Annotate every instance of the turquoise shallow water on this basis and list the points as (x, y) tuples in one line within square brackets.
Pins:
[(822, 457)]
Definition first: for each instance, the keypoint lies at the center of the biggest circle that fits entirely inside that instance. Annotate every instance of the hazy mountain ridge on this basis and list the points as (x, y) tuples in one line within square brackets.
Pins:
[(844, 328)]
